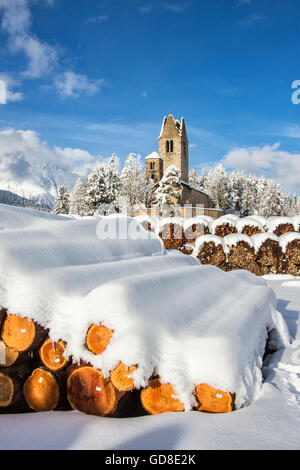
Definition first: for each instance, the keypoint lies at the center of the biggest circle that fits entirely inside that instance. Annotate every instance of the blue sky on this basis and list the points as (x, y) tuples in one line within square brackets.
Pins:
[(99, 75)]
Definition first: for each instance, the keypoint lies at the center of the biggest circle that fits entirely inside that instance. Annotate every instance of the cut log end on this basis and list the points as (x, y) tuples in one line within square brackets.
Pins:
[(41, 391), (18, 333), (89, 392), (160, 398), (52, 355), (212, 400), (98, 338), (121, 377), (8, 356), (6, 390)]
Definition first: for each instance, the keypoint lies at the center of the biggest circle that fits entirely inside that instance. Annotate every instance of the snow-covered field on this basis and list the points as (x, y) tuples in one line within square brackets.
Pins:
[(46, 270)]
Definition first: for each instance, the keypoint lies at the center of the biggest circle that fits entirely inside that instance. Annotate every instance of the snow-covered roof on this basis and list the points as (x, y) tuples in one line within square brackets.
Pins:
[(153, 156)]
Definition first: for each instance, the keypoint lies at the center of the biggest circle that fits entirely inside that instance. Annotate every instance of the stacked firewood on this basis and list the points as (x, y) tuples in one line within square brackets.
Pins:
[(269, 255), (35, 375), (223, 226), (210, 250), (172, 235), (290, 244), (280, 225), (195, 228), (249, 226), (240, 253)]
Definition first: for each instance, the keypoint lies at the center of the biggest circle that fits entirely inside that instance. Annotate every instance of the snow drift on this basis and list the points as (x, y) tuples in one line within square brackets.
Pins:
[(187, 323)]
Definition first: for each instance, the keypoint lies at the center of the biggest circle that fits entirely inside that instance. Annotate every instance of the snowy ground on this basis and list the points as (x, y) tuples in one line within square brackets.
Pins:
[(272, 422)]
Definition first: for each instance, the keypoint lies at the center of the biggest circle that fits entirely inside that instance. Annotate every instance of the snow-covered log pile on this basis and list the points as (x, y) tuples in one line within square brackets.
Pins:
[(104, 325), (240, 252), (223, 226), (281, 225), (209, 249), (290, 245), (171, 231), (269, 255), (195, 227), (249, 226)]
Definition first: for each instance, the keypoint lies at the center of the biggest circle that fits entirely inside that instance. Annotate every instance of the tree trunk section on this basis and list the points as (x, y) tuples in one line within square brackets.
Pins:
[(52, 355), (212, 400), (22, 334), (98, 338), (41, 390), (159, 398), (89, 392), (121, 379)]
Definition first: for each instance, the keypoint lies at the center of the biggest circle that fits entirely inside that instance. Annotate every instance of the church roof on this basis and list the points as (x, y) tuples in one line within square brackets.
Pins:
[(153, 155), (180, 125), (193, 187)]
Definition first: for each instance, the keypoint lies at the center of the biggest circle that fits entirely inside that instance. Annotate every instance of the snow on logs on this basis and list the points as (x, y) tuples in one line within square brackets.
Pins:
[(209, 249), (290, 245), (269, 255), (240, 252), (171, 232), (195, 227), (281, 225)]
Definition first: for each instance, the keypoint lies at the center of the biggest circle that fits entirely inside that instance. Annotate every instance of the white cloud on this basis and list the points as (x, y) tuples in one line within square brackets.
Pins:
[(176, 8), (10, 84), (267, 160), (16, 23), (22, 153), (145, 9), (72, 85)]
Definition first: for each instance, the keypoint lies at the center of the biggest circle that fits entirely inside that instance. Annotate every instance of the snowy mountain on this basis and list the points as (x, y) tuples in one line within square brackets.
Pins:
[(38, 186)]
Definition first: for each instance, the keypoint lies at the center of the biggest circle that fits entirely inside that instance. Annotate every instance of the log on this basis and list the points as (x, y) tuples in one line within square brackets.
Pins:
[(22, 334), (89, 392), (187, 249), (121, 377), (52, 355), (160, 398), (41, 390), (10, 357), (11, 388), (292, 251), (98, 338), (210, 253), (212, 400)]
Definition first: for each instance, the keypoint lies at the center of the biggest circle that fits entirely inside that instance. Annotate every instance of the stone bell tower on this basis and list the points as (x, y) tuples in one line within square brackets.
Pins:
[(173, 146)]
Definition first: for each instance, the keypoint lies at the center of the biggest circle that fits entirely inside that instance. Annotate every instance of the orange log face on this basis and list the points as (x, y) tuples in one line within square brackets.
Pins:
[(8, 356), (41, 391), (51, 354), (90, 393), (18, 333), (98, 338), (212, 400), (6, 390), (159, 398), (120, 377)]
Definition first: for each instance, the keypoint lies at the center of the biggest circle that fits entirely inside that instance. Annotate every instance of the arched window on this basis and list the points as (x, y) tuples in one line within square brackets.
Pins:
[(167, 146), (171, 146)]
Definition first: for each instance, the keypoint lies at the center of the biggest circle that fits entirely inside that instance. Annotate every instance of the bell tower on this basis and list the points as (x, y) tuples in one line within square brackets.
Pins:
[(173, 146)]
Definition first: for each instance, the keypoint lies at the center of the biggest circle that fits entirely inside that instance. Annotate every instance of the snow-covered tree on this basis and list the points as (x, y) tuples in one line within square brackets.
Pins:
[(133, 183), (62, 203), (113, 184), (96, 190), (169, 188), (77, 199)]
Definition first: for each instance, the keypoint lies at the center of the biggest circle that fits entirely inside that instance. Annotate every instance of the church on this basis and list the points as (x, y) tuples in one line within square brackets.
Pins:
[(173, 149)]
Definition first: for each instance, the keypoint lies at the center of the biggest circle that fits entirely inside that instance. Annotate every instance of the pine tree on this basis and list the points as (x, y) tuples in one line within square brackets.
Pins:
[(113, 184), (77, 199), (133, 183), (96, 191), (62, 204), (169, 188), (193, 179)]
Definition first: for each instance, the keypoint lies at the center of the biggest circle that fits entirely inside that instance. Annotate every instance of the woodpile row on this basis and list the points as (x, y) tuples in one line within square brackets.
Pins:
[(176, 235), (268, 259), (36, 376)]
